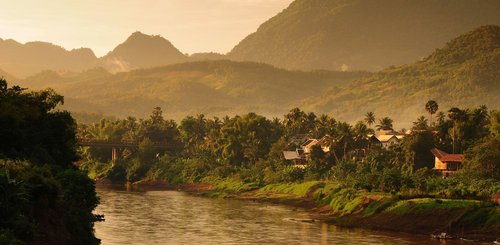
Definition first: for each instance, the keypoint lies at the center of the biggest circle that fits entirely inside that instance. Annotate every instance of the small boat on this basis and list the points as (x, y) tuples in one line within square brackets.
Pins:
[(302, 220), (441, 236)]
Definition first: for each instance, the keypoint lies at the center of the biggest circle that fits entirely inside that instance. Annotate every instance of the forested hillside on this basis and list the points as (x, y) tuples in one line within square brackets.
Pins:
[(215, 88), (360, 34), (465, 72)]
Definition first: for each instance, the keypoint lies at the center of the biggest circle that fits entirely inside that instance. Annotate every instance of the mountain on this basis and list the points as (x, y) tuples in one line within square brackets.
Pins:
[(361, 34), (138, 51), (142, 51), (464, 73), (214, 88), (27, 59)]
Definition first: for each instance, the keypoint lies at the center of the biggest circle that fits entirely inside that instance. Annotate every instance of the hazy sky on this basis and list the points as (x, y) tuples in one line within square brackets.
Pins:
[(191, 25)]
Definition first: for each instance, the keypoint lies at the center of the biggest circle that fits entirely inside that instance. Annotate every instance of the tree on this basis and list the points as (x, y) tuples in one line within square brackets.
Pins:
[(457, 116), (299, 122), (385, 124), (370, 118), (361, 131), (441, 116), (420, 124), (344, 137), (431, 106), (484, 158)]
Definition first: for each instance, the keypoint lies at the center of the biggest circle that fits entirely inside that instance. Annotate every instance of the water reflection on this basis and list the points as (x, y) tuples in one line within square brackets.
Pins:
[(169, 217)]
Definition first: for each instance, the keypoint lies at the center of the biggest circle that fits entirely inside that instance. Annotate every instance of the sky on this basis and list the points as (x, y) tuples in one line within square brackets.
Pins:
[(191, 25)]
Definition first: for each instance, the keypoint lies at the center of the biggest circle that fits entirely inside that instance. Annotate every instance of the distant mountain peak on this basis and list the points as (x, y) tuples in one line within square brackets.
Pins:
[(141, 50)]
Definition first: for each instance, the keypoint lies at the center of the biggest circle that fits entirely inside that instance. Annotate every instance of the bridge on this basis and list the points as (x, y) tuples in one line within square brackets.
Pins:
[(114, 145)]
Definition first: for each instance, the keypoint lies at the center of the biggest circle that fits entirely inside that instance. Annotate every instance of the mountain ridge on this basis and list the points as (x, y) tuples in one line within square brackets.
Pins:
[(361, 35), (465, 72)]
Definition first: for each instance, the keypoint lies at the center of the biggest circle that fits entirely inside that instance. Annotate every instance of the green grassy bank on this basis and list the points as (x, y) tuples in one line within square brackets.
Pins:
[(328, 202)]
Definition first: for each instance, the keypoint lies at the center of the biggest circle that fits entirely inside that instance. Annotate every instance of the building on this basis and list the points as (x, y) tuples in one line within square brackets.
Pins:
[(446, 163), (301, 154), (385, 138)]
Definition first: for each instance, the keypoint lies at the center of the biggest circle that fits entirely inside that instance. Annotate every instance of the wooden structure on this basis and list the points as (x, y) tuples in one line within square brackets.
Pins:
[(446, 163)]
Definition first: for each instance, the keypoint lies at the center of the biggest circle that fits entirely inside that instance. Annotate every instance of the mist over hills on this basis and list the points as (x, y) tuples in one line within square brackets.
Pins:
[(214, 88), (464, 73), (361, 34)]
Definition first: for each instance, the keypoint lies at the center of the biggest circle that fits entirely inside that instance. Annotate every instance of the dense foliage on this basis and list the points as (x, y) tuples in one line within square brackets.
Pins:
[(248, 149), (45, 198)]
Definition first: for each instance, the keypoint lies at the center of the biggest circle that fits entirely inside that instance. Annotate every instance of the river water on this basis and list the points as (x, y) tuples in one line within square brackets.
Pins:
[(171, 217)]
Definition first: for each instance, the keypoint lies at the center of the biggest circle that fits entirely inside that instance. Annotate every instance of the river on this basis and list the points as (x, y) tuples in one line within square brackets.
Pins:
[(171, 217)]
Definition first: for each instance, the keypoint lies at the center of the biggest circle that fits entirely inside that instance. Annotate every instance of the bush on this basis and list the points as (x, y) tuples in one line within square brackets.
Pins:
[(292, 174)]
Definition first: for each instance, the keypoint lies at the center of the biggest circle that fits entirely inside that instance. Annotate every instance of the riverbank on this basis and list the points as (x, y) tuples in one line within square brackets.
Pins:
[(327, 202)]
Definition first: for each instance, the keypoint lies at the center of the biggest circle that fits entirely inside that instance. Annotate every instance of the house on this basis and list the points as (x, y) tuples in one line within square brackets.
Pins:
[(388, 140), (301, 154), (447, 163), (297, 156), (324, 143), (385, 138)]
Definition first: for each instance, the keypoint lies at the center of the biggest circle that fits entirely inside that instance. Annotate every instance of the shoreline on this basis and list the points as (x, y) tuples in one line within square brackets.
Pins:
[(426, 223)]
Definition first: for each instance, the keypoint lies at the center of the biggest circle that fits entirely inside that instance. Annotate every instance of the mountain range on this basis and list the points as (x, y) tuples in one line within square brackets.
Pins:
[(148, 71), (308, 35), (465, 72)]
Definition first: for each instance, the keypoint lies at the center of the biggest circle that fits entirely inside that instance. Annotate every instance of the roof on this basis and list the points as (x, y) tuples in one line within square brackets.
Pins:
[(310, 143), (438, 153), (445, 157), (291, 155), (386, 137)]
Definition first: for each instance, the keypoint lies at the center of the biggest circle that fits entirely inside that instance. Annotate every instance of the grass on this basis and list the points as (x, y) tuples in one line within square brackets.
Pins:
[(483, 216), (234, 186), (420, 205), (296, 189)]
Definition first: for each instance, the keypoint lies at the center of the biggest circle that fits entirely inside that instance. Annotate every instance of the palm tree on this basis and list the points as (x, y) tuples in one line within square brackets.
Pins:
[(420, 124), (384, 124), (431, 106), (458, 117), (440, 117), (344, 136), (370, 118), (360, 132)]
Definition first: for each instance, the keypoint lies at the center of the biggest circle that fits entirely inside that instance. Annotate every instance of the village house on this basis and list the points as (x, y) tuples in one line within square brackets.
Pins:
[(301, 154), (385, 138), (446, 163)]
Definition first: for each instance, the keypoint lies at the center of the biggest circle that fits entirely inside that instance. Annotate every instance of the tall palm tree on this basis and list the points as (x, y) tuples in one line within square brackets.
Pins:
[(431, 106), (384, 124), (458, 116), (370, 118)]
